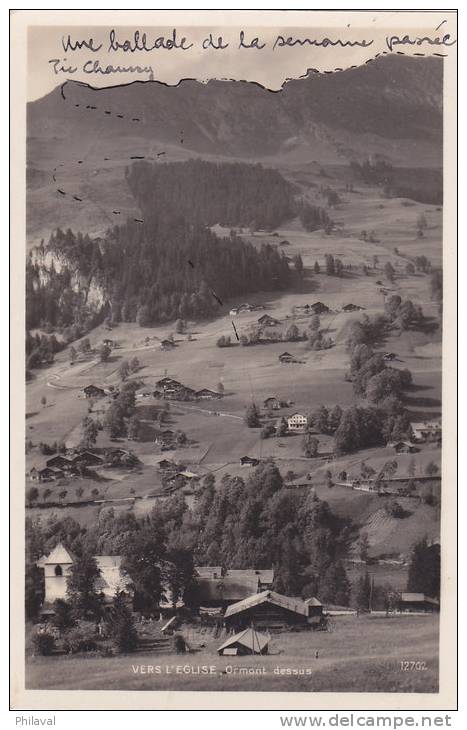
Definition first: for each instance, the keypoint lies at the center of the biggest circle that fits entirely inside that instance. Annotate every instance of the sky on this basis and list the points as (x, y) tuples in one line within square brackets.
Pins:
[(50, 64)]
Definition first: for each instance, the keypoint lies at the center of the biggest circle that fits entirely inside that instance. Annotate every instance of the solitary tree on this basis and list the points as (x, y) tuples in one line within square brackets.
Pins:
[(364, 591), (124, 370), (310, 446), (252, 416), (389, 271), (104, 352), (89, 431)]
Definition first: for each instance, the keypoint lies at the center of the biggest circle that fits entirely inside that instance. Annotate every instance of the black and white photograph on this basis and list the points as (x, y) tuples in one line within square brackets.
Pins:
[(234, 477)]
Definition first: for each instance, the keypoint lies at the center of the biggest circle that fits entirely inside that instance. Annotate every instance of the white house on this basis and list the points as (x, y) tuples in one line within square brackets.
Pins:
[(297, 422), (427, 431)]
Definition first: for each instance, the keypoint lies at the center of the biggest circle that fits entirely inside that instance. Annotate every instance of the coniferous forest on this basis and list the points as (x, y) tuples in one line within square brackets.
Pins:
[(168, 265)]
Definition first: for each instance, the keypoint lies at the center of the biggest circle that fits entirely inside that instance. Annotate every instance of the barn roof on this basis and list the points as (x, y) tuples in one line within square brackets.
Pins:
[(250, 638), (208, 571), (418, 597), (227, 588), (264, 576), (290, 604)]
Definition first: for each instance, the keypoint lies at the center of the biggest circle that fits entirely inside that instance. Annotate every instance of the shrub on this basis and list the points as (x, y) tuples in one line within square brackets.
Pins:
[(43, 643), (81, 638), (179, 644)]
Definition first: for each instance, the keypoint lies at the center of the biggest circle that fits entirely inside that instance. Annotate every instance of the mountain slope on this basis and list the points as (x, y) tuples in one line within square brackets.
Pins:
[(392, 107)]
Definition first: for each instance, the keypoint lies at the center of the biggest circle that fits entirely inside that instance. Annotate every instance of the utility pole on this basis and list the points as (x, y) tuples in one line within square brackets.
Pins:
[(370, 601)]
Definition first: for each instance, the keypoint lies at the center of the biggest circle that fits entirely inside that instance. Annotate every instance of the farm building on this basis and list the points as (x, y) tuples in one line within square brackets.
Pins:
[(297, 422), (248, 461), (164, 437), (206, 394), (389, 356), (217, 588), (264, 578), (209, 571), (45, 475), (87, 458), (319, 308), (416, 602), (403, 447), (220, 592), (247, 641), (92, 391), (167, 345), (60, 462), (352, 308), (427, 431), (286, 357), (167, 383), (272, 402), (267, 610), (267, 321)]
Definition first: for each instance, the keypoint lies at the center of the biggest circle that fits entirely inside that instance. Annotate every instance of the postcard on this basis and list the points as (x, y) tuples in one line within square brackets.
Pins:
[(233, 357)]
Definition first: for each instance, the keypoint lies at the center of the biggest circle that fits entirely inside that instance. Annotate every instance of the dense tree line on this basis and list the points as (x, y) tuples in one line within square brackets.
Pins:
[(232, 194), (238, 524)]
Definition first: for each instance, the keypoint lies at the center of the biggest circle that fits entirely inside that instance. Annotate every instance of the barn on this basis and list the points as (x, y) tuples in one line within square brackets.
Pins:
[(418, 603), (245, 642), (267, 610)]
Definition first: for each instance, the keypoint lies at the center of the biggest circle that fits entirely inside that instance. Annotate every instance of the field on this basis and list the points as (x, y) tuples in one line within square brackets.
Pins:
[(361, 654), (216, 430)]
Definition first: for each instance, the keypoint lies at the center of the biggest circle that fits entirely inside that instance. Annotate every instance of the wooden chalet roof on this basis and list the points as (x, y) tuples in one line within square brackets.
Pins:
[(249, 638), (290, 604)]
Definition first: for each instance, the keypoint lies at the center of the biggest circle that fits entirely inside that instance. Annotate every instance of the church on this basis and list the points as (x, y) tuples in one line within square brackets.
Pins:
[(57, 566)]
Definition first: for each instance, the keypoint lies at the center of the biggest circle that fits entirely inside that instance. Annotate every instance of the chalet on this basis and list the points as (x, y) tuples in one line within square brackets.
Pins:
[(248, 461), (389, 356), (144, 393), (297, 422), (272, 402), (234, 311), (166, 464), (167, 383), (264, 578), (286, 357), (266, 610), (267, 321), (189, 475), (92, 391), (352, 308), (87, 458), (248, 641), (48, 474), (427, 431), (60, 462), (107, 341), (319, 308), (206, 394), (221, 591), (417, 602), (167, 345), (182, 393), (57, 566), (164, 438), (404, 447), (209, 571)]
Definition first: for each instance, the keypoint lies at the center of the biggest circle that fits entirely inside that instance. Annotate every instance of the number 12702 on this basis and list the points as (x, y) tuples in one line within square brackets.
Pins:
[(407, 665)]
